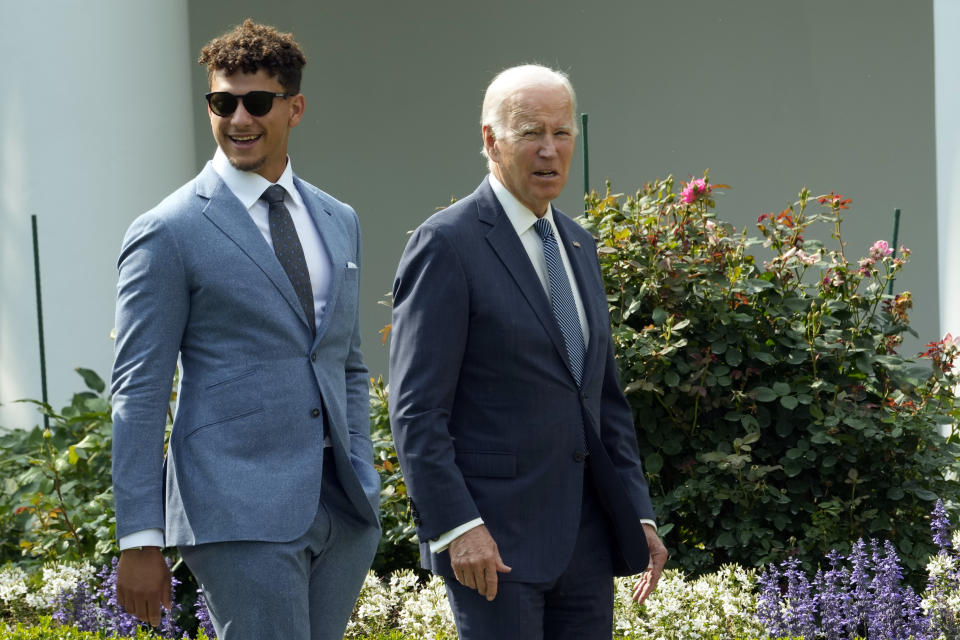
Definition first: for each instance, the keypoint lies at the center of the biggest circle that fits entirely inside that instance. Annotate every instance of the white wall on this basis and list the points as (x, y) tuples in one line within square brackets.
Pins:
[(101, 117), (770, 95), (95, 127), (946, 21)]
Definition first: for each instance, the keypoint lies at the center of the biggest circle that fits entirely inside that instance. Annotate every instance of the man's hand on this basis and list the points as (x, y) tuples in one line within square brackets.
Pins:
[(143, 583), (476, 561), (658, 558)]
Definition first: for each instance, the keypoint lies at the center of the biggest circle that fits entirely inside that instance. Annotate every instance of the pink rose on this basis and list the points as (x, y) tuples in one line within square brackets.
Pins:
[(880, 249), (693, 190)]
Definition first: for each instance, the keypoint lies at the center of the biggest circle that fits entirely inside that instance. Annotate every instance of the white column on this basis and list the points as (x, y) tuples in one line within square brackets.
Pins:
[(946, 21), (95, 127)]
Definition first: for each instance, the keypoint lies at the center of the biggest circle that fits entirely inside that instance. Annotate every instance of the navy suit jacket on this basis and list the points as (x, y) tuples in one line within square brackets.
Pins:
[(198, 281), (487, 416)]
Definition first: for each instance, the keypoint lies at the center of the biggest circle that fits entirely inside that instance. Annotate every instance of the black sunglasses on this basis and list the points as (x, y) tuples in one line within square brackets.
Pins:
[(257, 103)]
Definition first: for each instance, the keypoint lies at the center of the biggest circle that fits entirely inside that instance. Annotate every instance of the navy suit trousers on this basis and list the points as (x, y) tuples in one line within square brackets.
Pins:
[(576, 606)]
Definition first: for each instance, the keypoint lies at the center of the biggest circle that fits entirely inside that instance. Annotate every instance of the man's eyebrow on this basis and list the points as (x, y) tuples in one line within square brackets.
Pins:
[(528, 126)]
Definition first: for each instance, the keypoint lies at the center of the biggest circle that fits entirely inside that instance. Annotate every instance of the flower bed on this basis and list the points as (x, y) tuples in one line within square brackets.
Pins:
[(860, 596)]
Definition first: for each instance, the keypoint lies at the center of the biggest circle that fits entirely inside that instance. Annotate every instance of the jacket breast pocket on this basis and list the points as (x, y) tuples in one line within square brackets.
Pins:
[(487, 464)]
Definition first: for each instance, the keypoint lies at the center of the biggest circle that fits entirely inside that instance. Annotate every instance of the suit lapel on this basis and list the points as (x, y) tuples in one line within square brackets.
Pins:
[(229, 215), (334, 241), (506, 244)]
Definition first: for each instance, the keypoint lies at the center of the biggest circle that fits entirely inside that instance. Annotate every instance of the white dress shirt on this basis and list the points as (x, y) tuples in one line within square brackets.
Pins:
[(248, 186)]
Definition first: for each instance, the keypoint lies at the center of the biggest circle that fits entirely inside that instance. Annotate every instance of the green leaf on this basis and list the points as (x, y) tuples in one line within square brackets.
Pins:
[(671, 378), (765, 357), (792, 468), (781, 388), (795, 304), (789, 402), (764, 394), (672, 447), (91, 379), (636, 304), (784, 428), (653, 463), (659, 315), (96, 405), (726, 539), (837, 305), (858, 423), (756, 285), (733, 357), (864, 364)]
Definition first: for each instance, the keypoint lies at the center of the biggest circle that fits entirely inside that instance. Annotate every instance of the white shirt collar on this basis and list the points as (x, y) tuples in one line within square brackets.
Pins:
[(519, 215), (248, 186)]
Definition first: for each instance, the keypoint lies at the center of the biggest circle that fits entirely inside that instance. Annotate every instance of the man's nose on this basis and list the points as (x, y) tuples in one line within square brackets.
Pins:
[(240, 116), (548, 148)]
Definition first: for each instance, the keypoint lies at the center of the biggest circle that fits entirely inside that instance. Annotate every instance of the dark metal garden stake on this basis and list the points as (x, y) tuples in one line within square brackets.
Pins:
[(43, 355), (586, 156), (896, 233)]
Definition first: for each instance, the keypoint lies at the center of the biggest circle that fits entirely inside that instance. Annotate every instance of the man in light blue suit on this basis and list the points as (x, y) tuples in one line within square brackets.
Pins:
[(250, 277), (516, 442)]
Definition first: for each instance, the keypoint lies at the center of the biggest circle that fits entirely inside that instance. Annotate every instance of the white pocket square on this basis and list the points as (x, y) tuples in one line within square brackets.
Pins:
[(350, 265)]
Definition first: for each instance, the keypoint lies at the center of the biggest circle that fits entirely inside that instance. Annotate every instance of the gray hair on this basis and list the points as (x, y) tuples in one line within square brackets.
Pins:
[(496, 100)]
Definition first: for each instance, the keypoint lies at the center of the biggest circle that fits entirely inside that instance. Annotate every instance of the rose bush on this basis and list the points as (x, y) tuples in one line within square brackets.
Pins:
[(775, 412)]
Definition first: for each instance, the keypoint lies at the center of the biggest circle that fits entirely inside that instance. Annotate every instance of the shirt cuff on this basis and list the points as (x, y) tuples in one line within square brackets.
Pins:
[(440, 543), (145, 538), (649, 522)]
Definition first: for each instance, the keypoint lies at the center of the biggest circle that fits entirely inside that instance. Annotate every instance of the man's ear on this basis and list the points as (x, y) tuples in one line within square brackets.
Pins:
[(490, 143), (298, 104)]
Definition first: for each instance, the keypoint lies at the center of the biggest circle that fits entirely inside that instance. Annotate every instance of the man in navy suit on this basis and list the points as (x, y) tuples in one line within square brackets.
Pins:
[(516, 442), (250, 277)]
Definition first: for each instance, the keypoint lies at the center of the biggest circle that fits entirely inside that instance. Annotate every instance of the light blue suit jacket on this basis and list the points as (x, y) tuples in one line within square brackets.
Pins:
[(198, 281), (487, 415)]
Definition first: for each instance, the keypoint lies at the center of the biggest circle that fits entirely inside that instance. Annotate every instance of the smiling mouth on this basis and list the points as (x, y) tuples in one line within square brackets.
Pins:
[(245, 139), (545, 174)]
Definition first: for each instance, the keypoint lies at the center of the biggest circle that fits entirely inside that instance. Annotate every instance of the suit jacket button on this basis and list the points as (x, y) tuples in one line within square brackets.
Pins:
[(579, 456), (315, 413), (313, 356)]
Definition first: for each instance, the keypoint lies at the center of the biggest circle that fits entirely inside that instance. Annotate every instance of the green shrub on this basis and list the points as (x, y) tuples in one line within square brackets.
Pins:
[(398, 546), (47, 629), (57, 499), (774, 412)]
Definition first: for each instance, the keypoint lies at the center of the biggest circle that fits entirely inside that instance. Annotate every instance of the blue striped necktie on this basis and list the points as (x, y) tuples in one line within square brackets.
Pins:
[(286, 244), (561, 299)]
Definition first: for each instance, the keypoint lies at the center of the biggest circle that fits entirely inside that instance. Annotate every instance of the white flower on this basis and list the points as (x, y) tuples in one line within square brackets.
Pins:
[(58, 577), (13, 584), (374, 610)]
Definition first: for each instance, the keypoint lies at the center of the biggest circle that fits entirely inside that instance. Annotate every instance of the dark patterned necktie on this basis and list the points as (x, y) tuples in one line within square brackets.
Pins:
[(561, 299), (286, 244)]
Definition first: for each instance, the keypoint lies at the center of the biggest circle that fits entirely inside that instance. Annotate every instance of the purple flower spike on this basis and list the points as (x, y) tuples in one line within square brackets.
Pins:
[(940, 526), (203, 615), (799, 617)]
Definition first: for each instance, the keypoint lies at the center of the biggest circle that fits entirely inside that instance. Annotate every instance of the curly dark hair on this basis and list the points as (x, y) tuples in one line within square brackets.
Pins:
[(251, 47)]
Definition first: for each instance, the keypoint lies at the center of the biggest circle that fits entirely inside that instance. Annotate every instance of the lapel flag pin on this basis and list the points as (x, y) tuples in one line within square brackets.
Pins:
[(576, 244)]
